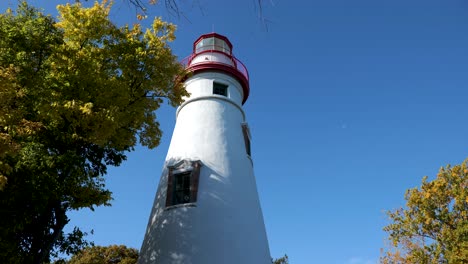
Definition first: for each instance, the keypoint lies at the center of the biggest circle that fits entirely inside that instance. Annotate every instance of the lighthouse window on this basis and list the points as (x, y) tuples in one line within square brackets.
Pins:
[(219, 88), (221, 45), (213, 44), (182, 188), (246, 132), (205, 44), (182, 184)]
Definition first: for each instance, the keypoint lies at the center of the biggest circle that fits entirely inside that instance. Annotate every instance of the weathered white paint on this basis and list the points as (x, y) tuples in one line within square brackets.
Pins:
[(225, 225)]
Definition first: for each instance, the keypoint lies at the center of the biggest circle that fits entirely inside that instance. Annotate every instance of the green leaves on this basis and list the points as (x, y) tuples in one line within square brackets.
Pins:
[(77, 93), (433, 226), (113, 78), (105, 255)]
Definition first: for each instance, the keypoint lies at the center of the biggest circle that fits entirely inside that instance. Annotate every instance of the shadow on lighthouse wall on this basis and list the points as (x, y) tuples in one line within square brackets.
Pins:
[(187, 233)]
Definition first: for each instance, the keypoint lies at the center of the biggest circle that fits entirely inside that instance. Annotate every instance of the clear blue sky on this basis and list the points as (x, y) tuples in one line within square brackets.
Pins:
[(352, 103)]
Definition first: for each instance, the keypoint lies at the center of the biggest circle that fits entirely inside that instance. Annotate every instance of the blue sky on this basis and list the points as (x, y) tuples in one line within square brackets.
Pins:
[(352, 103)]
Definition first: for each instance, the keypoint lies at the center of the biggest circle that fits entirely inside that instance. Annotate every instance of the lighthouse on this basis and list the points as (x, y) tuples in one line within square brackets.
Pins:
[(207, 209)]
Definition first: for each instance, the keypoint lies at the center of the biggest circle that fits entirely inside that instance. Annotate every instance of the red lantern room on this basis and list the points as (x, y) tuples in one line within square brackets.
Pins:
[(213, 52)]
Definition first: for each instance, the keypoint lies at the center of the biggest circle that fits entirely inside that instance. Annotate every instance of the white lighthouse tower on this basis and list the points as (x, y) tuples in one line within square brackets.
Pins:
[(206, 209)]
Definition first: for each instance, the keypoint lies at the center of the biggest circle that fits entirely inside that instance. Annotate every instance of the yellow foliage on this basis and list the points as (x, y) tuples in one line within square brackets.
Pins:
[(86, 108), (102, 83), (76, 94), (96, 53), (3, 182), (434, 225)]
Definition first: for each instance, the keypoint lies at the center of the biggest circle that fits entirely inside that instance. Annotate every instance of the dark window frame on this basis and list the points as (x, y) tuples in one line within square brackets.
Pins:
[(220, 89), (246, 133), (181, 187), (176, 173)]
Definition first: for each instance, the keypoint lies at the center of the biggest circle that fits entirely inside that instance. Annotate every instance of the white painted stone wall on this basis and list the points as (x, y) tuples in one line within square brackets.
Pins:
[(225, 225)]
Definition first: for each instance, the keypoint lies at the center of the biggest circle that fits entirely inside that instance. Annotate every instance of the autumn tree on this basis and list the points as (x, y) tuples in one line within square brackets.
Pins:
[(77, 94), (121, 254), (105, 255), (433, 228)]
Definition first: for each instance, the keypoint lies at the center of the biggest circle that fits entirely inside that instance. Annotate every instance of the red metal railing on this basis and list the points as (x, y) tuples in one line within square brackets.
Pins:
[(238, 65)]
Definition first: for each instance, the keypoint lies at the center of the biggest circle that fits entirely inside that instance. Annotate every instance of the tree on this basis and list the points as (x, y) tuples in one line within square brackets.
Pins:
[(105, 255), (282, 260), (120, 255), (433, 228), (77, 94)]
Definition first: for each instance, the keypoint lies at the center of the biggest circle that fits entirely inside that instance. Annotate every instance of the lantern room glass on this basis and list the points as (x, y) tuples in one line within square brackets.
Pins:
[(212, 43)]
